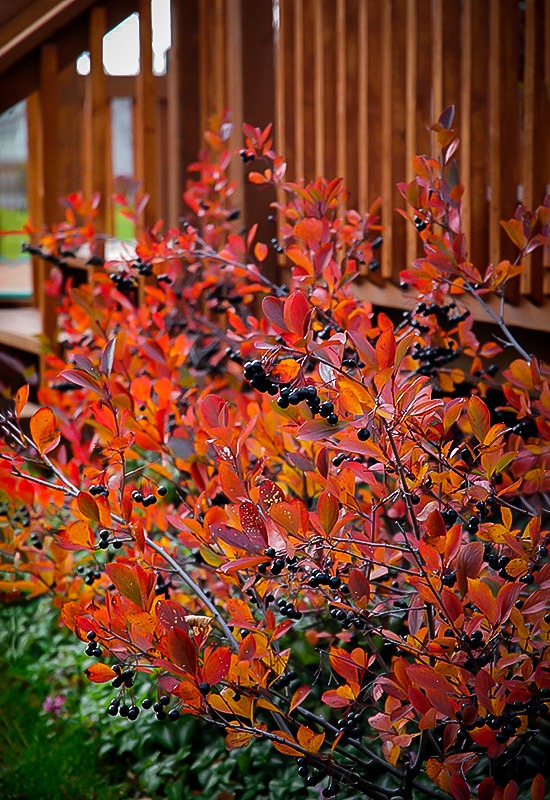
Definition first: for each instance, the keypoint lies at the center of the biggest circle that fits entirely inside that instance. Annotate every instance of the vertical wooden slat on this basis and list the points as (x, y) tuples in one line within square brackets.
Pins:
[(34, 180), (184, 124), (258, 106), (528, 127), (47, 132), (386, 135), (299, 88), (235, 76), (145, 116), (309, 12), (341, 127), (466, 113), (494, 130), (410, 112), (362, 105), (437, 59), (319, 91), (97, 122), (280, 36), (478, 173), (398, 89)]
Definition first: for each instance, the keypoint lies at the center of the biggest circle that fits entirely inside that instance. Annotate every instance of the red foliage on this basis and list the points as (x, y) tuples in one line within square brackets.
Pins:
[(389, 509)]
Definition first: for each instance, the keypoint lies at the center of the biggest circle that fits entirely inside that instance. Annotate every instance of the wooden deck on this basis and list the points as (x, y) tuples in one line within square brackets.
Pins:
[(21, 328)]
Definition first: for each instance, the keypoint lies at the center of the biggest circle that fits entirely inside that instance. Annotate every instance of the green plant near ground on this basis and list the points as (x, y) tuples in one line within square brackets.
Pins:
[(104, 758)]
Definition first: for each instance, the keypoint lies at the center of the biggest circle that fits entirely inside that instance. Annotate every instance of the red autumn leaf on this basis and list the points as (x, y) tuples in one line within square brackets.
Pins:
[(310, 740), (385, 349), (216, 664), (273, 308), (328, 511), (83, 379), (435, 524), (100, 673), (270, 494), (253, 525), (479, 416), (231, 484), (459, 788), (77, 536), (170, 615), (482, 597), (296, 313), (486, 789), (537, 788), (298, 697), (182, 651), (213, 411), (88, 506), (21, 399), (359, 587), (286, 370), (260, 251), (43, 430), (126, 581)]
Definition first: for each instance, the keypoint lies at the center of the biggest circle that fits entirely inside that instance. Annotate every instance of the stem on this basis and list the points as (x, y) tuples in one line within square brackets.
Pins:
[(190, 583)]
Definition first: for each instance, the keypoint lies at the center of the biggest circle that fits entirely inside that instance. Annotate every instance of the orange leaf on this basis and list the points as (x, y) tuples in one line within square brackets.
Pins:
[(309, 740), (260, 251), (283, 748), (88, 506), (298, 697), (286, 370), (537, 788), (43, 431), (100, 673), (479, 416), (482, 597), (385, 349), (21, 399), (77, 536)]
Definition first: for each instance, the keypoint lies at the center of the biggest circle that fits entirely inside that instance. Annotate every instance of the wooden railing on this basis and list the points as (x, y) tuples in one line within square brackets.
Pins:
[(357, 82)]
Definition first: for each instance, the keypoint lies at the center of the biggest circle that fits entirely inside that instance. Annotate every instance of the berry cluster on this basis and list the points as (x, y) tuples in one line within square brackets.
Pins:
[(350, 725), (144, 500), (106, 539), (313, 778), (284, 680), (286, 609), (255, 374), (123, 281), (92, 648), (143, 267), (433, 358), (98, 490)]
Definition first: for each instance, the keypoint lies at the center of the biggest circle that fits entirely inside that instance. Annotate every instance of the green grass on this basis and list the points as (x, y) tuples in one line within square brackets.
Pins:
[(10, 246)]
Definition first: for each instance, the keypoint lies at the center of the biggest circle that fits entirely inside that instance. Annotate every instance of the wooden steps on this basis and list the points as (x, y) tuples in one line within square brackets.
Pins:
[(21, 328)]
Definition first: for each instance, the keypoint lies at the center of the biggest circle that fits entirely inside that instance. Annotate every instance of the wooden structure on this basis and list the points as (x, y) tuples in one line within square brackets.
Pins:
[(350, 85)]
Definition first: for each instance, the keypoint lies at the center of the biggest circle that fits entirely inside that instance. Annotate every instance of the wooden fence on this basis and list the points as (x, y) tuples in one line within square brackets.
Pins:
[(358, 80)]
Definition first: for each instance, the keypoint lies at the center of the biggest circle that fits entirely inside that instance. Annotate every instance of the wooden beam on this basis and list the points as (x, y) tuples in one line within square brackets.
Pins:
[(258, 106), (183, 93), (145, 128), (97, 124)]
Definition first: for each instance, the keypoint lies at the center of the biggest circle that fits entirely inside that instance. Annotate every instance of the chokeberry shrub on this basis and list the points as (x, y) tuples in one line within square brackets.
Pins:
[(273, 509)]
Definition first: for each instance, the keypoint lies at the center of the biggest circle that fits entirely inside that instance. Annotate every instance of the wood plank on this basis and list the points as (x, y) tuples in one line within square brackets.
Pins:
[(340, 110), (319, 89), (466, 67), (21, 328), (529, 112), (410, 112), (299, 89), (362, 132), (97, 124), (495, 77), (478, 176), (437, 60), (386, 135), (183, 89), (145, 141), (258, 99)]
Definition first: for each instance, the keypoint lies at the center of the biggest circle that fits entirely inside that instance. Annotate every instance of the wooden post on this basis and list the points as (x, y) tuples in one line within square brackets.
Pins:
[(97, 123), (258, 106), (145, 127), (184, 134)]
